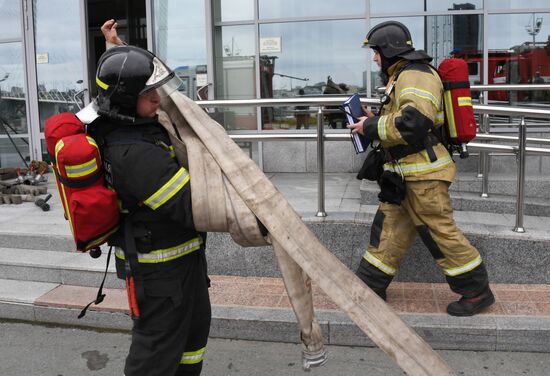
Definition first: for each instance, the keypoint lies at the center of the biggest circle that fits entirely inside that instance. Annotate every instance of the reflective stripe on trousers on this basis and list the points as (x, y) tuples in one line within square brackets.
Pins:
[(193, 357)]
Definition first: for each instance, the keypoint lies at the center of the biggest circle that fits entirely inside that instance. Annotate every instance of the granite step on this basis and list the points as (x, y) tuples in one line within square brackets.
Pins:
[(470, 201), (252, 308), (510, 257), (66, 268), (503, 184)]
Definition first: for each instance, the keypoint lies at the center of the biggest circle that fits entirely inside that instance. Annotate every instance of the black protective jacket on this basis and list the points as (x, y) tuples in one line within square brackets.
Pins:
[(154, 193)]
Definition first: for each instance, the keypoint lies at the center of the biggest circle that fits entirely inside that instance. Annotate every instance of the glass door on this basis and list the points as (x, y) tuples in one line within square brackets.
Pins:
[(14, 130), (60, 73)]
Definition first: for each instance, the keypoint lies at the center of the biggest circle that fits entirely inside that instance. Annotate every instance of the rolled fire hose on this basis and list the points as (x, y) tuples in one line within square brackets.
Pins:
[(218, 208), (299, 252)]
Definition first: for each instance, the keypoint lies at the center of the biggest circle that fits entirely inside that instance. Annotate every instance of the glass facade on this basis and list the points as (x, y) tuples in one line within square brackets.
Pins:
[(247, 49), (233, 10), (10, 20), (269, 9), (59, 72), (416, 6), (14, 130), (520, 54), (235, 74), (516, 4), (311, 56), (181, 42)]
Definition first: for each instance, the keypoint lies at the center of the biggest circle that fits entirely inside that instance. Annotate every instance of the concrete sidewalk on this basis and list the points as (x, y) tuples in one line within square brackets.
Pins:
[(342, 202), (252, 307)]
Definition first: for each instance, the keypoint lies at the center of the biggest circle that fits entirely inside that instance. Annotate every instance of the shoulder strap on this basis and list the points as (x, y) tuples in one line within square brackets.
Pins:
[(78, 183), (431, 139), (127, 138), (385, 99)]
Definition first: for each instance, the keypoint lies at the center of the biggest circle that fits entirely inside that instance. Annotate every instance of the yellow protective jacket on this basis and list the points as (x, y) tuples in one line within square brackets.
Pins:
[(414, 111)]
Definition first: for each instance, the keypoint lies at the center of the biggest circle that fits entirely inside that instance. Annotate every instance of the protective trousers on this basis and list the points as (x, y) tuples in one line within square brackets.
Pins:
[(170, 337), (426, 210)]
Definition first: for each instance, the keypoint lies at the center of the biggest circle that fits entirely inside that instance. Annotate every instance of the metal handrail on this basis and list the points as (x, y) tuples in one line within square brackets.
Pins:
[(521, 150), (311, 136), (334, 101), (510, 87), (493, 137)]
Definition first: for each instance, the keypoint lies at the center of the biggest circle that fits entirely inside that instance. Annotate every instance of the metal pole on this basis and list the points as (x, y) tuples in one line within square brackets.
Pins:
[(320, 165), (485, 161), (481, 129), (520, 158)]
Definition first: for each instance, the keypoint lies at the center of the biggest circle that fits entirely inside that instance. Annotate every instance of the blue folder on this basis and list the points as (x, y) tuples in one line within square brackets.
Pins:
[(352, 108)]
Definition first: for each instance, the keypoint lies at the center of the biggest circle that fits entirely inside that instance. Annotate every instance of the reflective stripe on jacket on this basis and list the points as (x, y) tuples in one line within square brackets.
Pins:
[(162, 255), (414, 110)]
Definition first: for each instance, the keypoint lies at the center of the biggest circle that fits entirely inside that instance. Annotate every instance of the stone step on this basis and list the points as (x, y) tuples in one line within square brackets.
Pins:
[(510, 257), (468, 201), (258, 309), (503, 184), (56, 267)]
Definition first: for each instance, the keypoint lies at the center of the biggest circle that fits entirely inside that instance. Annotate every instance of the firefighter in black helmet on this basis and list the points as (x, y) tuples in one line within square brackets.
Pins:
[(126, 73), (416, 175), (158, 251)]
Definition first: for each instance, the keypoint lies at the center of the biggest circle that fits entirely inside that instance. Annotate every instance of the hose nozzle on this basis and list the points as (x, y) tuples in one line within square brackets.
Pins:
[(313, 359)]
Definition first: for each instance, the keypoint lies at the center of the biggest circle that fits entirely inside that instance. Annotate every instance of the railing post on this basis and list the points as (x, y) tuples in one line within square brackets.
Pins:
[(320, 165), (485, 161), (481, 126), (520, 158), (483, 166)]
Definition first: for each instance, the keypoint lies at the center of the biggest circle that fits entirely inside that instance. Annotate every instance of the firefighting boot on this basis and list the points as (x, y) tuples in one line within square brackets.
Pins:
[(471, 306)]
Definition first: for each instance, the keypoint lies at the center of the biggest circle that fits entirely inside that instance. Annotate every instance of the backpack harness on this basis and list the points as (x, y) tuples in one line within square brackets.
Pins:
[(459, 126), (90, 205)]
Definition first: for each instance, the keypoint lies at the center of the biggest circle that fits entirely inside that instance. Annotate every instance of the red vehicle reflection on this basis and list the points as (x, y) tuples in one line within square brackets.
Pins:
[(527, 63)]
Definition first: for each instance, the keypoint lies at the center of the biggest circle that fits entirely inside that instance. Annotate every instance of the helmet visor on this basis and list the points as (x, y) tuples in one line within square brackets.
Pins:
[(162, 78)]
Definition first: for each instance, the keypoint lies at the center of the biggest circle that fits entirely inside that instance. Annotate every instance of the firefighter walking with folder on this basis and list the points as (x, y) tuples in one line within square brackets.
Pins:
[(417, 173), (158, 251)]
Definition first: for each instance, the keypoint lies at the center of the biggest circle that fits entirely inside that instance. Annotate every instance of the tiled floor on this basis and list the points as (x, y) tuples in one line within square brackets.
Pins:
[(529, 300), (427, 298)]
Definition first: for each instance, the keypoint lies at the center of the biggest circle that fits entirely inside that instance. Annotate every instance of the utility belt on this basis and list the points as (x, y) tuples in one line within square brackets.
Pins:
[(138, 252), (401, 151), (392, 184)]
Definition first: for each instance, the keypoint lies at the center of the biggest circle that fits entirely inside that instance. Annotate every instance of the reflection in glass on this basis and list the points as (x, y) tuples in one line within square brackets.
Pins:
[(10, 19), (457, 35), (309, 8), (416, 27), (13, 113), (181, 42), (434, 5), (9, 153), (450, 35), (520, 54), (233, 10), (308, 54), (383, 6), (235, 74), (58, 54), (517, 4)]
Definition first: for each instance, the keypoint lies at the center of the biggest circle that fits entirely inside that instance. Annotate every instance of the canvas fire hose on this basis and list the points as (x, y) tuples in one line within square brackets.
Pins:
[(218, 208), (229, 192)]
